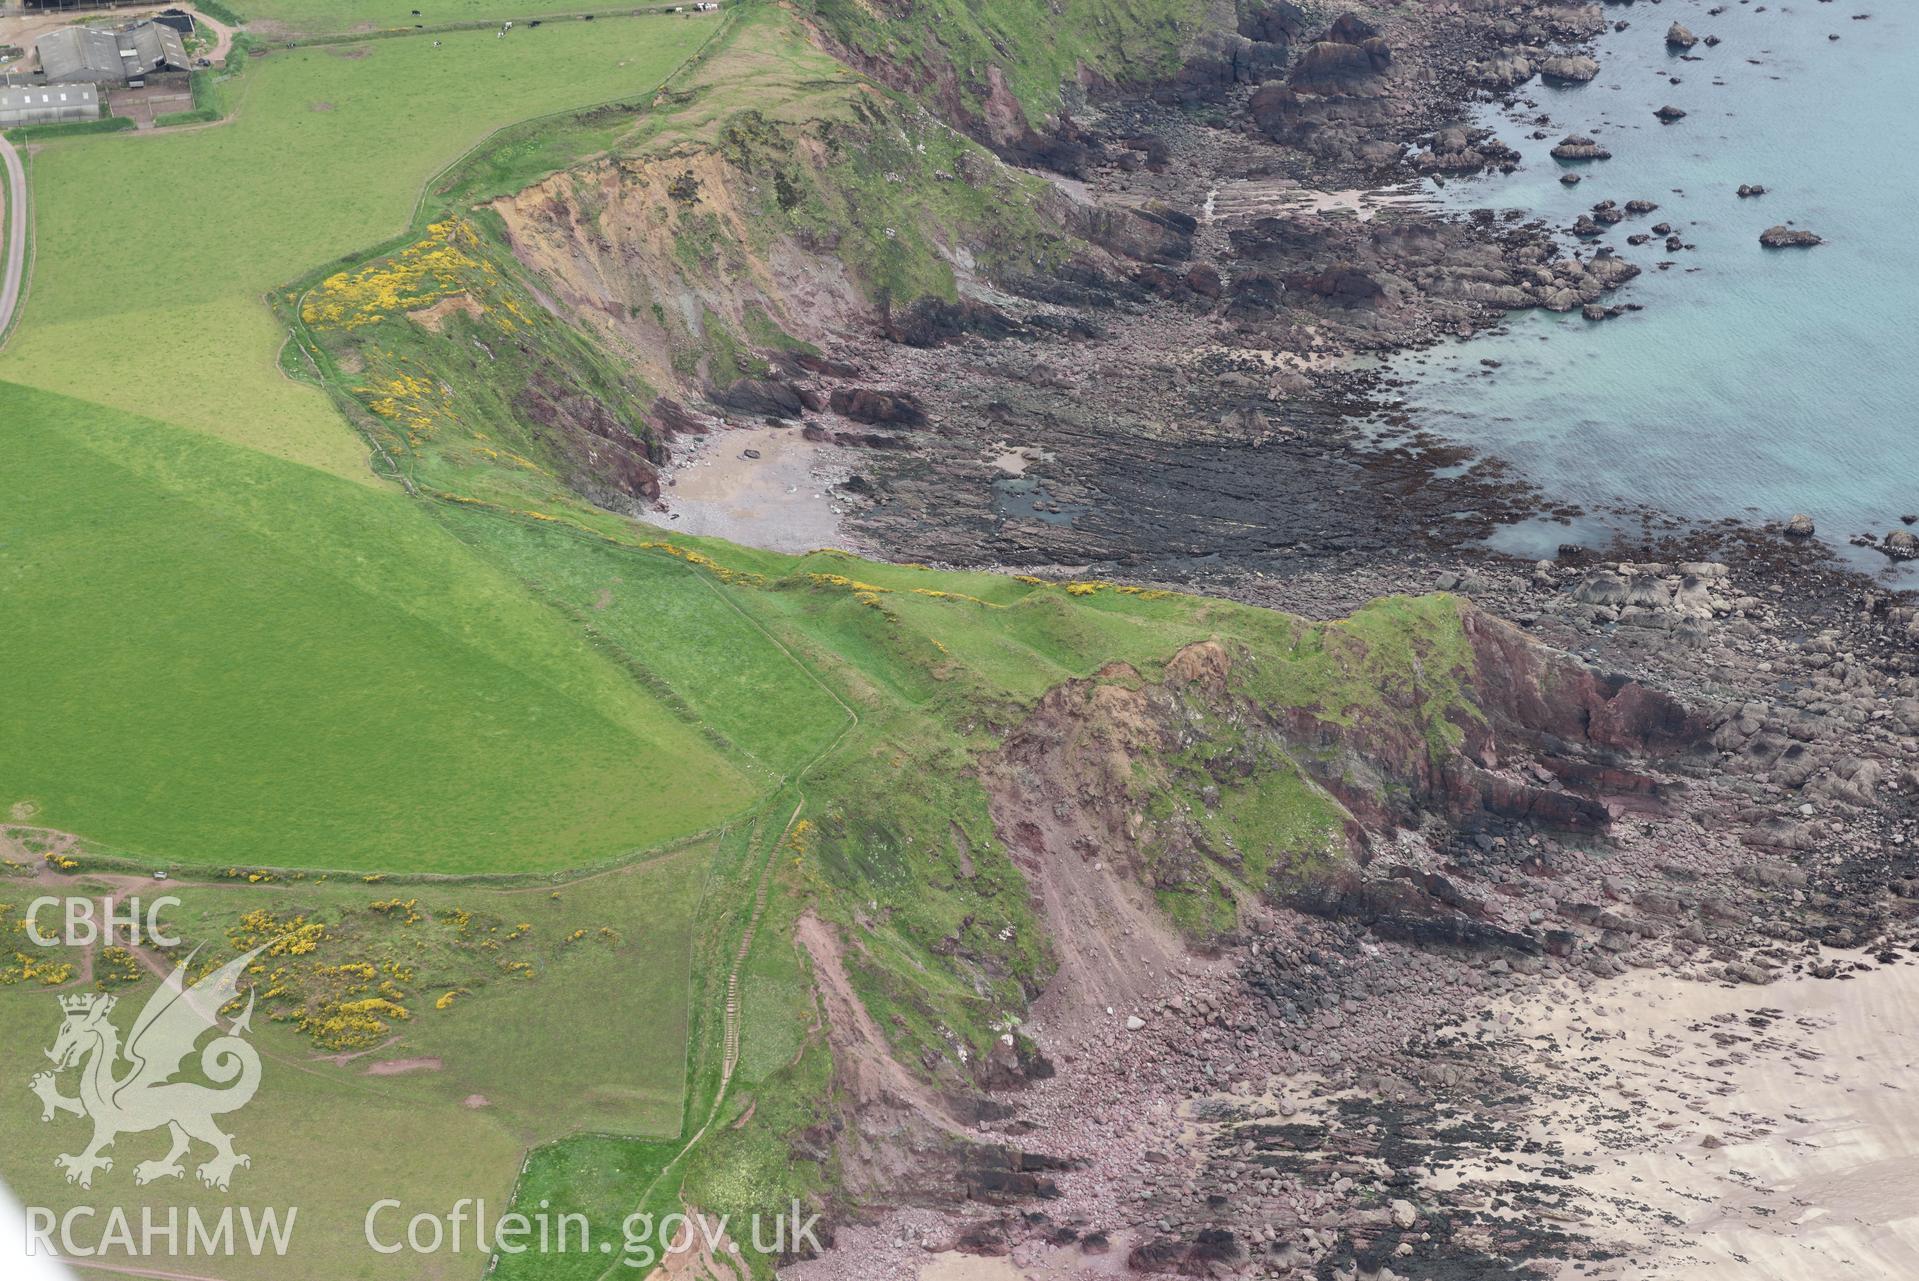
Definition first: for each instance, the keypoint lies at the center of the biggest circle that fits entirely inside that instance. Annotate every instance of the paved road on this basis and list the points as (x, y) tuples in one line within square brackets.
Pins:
[(16, 234)]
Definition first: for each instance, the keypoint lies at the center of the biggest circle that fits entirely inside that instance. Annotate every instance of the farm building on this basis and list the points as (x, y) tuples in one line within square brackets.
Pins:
[(84, 55), (47, 104), (155, 47)]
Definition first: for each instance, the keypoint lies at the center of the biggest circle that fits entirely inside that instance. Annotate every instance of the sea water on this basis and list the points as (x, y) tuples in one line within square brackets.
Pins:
[(1756, 383)]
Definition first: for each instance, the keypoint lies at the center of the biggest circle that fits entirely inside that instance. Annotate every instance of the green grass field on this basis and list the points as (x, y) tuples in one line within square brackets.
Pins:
[(592, 1040), (153, 252), (692, 635), (218, 657), (277, 18)]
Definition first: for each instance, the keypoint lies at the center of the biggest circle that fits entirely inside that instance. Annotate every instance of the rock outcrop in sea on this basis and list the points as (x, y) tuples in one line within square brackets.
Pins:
[(1577, 146), (1781, 236)]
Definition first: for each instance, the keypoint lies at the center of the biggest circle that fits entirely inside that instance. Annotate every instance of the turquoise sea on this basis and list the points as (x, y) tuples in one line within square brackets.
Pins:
[(1756, 382)]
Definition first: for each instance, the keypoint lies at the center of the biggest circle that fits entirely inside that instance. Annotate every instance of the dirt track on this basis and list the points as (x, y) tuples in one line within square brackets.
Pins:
[(16, 260)]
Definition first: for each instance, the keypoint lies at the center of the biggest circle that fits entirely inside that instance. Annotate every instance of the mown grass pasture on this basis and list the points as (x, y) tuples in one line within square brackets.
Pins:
[(216, 657), (280, 18)]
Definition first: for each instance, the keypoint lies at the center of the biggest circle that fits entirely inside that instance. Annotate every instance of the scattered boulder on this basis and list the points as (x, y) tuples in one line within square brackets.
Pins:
[(1569, 68), (766, 397), (1747, 972), (1465, 151), (1276, 22), (1609, 271), (1749, 189), (1332, 60), (1506, 71), (1350, 28), (1677, 37), (866, 405), (1800, 526), (1901, 545), (1204, 281), (1670, 113)]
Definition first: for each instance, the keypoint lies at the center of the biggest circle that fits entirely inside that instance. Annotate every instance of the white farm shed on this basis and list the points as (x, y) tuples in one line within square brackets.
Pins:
[(47, 104)]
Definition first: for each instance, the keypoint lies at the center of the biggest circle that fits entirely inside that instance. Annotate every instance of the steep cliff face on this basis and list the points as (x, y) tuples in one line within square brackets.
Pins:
[(723, 270), (1286, 774), (663, 257), (1129, 803), (1360, 770)]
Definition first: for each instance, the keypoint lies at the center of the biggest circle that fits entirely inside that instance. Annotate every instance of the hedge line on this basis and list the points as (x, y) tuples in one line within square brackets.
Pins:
[(197, 116), (69, 128), (219, 12)]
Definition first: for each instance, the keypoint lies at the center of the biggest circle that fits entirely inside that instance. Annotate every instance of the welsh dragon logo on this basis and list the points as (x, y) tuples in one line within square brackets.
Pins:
[(128, 1089)]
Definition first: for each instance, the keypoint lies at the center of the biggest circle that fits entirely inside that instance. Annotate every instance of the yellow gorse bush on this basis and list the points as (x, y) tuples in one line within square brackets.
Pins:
[(417, 276), (408, 399), (291, 936), (116, 967), (32, 969)]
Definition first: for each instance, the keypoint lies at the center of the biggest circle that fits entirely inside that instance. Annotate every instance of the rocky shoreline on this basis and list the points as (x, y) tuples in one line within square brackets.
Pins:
[(1210, 351), (1331, 1095), (1278, 1101)]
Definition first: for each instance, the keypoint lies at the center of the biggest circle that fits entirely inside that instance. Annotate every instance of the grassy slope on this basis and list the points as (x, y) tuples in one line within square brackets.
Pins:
[(219, 657), (1037, 48), (153, 252), (758, 62), (668, 617)]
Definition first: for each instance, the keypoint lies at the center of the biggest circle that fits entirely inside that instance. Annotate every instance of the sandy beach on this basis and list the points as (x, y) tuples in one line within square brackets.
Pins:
[(1758, 1133), (780, 500)]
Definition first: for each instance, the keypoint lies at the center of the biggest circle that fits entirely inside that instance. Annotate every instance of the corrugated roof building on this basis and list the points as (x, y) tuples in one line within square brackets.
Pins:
[(156, 47), (48, 104), (81, 55), (86, 55)]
